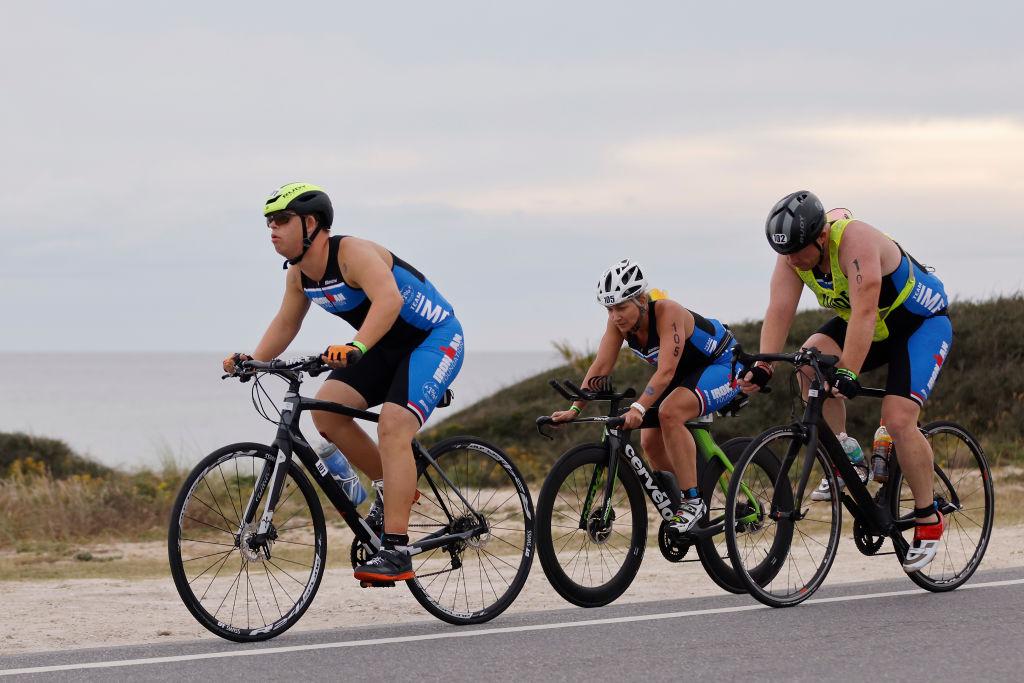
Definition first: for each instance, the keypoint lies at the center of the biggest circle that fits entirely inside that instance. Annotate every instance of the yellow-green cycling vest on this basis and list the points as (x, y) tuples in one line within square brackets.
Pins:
[(838, 296)]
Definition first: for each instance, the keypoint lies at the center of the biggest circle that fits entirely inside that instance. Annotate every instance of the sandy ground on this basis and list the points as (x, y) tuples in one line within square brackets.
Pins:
[(80, 613)]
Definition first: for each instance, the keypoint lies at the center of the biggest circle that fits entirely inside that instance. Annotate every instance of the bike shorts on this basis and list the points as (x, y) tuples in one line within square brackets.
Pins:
[(412, 377), (914, 355), (711, 384)]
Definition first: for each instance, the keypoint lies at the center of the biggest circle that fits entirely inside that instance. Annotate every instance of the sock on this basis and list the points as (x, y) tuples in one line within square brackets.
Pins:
[(391, 540)]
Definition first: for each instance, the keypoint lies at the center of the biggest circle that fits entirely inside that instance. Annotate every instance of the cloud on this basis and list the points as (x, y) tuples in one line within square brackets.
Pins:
[(932, 163)]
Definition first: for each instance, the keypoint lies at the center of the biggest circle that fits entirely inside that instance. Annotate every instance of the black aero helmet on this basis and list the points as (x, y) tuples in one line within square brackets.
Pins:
[(794, 222)]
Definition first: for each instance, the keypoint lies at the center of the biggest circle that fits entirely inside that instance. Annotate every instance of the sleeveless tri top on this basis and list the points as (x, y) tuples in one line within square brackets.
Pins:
[(699, 350), (425, 308)]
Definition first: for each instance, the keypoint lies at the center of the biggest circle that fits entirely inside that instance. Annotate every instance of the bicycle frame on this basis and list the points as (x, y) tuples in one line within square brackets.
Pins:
[(814, 431), (289, 441), (621, 450)]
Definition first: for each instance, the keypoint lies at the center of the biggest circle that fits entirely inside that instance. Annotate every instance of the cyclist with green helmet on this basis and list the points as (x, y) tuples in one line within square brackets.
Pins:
[(890, 310), (407, 349)]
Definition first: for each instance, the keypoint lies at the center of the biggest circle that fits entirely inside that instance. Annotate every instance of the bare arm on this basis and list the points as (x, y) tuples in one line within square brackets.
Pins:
[(286, 323), (606, 357), (363, 266), (604, 363), (861, 261), (786, 288)]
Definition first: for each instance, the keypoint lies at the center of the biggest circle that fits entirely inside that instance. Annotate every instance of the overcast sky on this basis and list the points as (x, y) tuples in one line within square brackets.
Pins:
[(510, 151)]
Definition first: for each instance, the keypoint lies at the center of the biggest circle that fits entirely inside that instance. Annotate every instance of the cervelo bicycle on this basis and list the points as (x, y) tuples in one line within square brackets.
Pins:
[(799, 536), (592, 519), (248, 540)]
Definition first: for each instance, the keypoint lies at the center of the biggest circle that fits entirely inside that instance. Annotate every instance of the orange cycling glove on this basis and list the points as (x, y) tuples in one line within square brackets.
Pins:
[(343, 355)]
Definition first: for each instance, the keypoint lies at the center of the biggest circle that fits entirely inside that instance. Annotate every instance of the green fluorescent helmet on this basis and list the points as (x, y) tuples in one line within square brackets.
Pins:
[(304, 199)]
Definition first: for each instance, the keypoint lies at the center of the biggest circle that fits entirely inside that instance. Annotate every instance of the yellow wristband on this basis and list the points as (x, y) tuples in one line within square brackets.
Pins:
[(575, 408)]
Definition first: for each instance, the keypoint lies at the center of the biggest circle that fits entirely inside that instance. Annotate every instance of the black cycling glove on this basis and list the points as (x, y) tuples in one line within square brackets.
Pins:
[(846, 383), (760, 374)]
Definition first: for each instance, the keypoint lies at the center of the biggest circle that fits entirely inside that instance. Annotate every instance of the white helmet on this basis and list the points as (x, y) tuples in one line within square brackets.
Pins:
[(621, 282)]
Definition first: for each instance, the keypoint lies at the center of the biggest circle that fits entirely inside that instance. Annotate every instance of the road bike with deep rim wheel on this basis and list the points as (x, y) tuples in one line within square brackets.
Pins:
[(248, 540), (801, 535), (592, 517)]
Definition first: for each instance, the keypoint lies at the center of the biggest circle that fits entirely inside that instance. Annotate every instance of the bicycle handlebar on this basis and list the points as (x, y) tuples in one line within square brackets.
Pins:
[(311, 365), (612, 422), (571, 392), (806, 356), (823, 363)]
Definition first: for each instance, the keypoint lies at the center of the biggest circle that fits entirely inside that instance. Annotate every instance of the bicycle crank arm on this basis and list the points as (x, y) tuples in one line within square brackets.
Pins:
[(700, 533), (434, 541)]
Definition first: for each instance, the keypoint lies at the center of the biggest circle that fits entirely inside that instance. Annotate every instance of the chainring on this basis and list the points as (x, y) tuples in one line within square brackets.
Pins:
[(672, 547), (867, 543)]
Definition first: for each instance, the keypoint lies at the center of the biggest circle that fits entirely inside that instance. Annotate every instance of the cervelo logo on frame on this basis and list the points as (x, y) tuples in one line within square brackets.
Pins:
[(662, 501)]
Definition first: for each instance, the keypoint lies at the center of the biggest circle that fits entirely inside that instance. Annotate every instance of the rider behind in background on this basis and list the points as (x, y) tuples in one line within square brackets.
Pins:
[(692, 355), (407, 349), (890, 310)]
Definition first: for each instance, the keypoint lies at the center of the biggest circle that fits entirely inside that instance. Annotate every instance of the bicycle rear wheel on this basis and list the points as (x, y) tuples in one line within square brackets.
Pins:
[(714, 551), (473, 580), (588, 560), (241, 593), (963, 487), (783, 554)]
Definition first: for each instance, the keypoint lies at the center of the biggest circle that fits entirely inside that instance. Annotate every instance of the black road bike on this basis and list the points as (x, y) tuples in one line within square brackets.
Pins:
[(592, 519), (248, 540), (799, 536)]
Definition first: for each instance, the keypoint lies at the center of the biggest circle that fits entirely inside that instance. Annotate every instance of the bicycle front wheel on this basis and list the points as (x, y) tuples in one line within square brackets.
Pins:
[(962, 484), (239, 592), (589, 560), (781, 548), (473, 580)]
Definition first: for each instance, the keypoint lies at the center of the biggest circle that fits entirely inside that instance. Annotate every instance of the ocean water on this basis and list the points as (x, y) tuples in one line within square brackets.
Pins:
[(133, 409)]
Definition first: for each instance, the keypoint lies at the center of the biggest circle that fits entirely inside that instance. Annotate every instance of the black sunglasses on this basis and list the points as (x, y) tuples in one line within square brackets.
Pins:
[(280, 218)]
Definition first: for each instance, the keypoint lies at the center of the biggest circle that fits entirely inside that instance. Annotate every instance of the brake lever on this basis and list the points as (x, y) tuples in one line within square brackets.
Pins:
[(540, 422)]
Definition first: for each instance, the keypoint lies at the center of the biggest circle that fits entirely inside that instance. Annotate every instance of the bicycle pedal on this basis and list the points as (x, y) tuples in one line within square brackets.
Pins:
[(376, 584)]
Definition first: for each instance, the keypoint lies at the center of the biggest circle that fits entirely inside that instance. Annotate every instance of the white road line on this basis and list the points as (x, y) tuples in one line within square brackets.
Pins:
[(469, 634)]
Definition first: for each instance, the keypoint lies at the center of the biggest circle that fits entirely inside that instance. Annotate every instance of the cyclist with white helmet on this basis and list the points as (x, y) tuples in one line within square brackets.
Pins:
[(407, 348), (890, 310), (692, 355)]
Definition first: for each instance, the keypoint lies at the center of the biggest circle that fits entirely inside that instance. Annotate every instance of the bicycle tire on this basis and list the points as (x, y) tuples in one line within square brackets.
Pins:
[(490, 481), (195, 529), (943, 573), (770, 577), (713, 551), (556, 546)]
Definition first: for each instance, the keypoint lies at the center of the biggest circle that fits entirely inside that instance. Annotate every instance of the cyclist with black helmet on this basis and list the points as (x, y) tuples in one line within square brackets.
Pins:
[(693, 357), (890, 310), (407, 349)]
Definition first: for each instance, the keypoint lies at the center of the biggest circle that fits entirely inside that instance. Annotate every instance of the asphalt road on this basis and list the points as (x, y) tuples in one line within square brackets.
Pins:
[(873, 631)]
